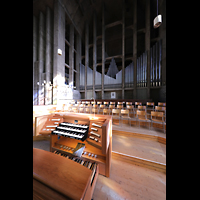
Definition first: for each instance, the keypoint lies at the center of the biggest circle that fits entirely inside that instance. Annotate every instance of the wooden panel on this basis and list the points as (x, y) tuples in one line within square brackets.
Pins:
[(41, 191), (63, 175), (140, 161)]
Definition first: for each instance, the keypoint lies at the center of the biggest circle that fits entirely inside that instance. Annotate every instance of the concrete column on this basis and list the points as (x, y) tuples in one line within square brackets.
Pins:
[(135, 48), (59, 43), (86, 54), (94, 51), (41, 50), (103, 50), (123, 47), (78, 61), (147, 46), (48, 55), (71, 55), (35, 47)]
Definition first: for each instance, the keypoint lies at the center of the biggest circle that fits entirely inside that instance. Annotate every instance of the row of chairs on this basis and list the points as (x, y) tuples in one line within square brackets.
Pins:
[(141, 116), (129, 113), (148, 104)]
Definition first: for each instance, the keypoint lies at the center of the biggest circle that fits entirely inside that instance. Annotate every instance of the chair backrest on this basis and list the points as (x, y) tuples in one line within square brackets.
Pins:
[(142, 108), (78, 102), (120, 106), (87, 110), (129, 103), (94, 110), (150, 103), (156, 114), (112, 103), (95, 106), (141, 113), (138, 104), (99, 102), (130, 108), (124, 113), (81, 109), (102, 106), (116, 112), (75, 109), (105, 102), (106, 111), (119, 103), (83, 102), (160, 108), (112, 106), (161, 104)]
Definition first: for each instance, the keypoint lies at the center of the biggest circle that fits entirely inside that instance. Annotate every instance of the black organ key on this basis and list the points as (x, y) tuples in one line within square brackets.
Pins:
[(89, 165)]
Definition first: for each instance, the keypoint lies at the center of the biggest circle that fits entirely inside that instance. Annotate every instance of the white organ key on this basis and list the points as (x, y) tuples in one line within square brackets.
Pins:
[(93, 124), (91, 137), (95, 134), (75, 125), (94, 129), (55, 119), (68, 134), (51, 126)]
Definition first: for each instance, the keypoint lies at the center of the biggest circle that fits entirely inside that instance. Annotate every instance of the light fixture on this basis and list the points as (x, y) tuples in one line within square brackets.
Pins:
[(59, 52), (158, 19)]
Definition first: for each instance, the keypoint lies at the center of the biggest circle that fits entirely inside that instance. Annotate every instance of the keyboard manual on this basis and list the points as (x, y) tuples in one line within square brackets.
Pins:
[(75, 131)]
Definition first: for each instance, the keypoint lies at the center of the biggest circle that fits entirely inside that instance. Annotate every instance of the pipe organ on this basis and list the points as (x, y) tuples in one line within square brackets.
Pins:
[(80, 145)]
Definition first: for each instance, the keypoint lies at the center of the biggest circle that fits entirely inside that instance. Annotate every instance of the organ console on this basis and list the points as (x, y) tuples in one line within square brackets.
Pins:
[(81, 139)]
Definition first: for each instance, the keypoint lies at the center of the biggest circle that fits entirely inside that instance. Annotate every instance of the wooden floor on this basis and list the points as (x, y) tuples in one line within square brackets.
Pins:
[(138, 165)]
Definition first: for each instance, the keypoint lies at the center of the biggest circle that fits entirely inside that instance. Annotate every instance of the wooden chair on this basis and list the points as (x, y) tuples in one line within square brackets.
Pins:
[(116, 114), (131, 110), (87, 110), (142, 108), (112, 103), (106, 111), (157, 117), (120, 106), (99, 103), (124, 114), (128, 103), (100, 108), (94, 106), (106, 103), (95, 110), (159, 108), (74, 109), (81, 110), (150, 105), (138, 104), (142, 116), (78, 102)]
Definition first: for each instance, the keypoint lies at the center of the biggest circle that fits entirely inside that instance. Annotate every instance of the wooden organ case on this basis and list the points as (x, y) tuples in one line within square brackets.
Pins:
[(73, 129)]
